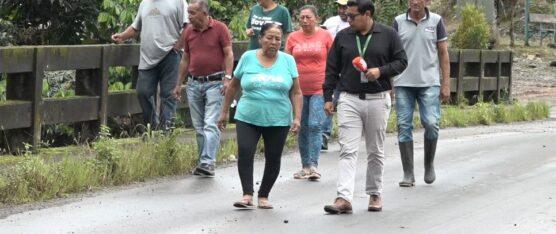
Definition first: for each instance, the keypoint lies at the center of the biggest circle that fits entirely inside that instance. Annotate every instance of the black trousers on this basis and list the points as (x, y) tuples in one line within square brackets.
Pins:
[(248, 136)]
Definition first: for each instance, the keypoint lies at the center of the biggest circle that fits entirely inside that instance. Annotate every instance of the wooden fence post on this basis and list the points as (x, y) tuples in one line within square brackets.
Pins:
[(498, 76), (36, 97), (480, 97), (461, 65)]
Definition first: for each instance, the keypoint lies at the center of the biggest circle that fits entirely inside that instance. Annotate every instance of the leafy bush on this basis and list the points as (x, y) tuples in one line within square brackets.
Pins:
[(120, 79), (115, 16), (387, 10), (7, 30), (237, 25), (40, 22), (473, 32)]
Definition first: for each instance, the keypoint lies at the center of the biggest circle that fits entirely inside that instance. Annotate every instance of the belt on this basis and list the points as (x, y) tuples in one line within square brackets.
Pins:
[(367, 96), (212, 77)]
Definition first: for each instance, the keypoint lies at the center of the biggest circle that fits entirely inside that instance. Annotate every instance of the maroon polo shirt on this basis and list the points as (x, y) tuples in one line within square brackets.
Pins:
[(206, 48)]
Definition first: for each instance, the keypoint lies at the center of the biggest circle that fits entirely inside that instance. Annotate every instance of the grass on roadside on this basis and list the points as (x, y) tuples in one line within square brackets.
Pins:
[(482, 114), (109, 161)]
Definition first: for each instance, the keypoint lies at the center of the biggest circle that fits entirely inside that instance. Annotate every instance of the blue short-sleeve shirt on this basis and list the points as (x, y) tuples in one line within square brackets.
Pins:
[(265, 100)]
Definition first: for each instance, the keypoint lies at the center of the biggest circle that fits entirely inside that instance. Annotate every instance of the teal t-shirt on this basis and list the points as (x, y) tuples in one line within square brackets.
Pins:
[(265, 100), (258, 17)]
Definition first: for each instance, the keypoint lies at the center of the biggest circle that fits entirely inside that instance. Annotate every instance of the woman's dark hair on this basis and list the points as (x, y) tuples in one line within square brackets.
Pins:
[(311, 8), (268, 26), (363, 6)]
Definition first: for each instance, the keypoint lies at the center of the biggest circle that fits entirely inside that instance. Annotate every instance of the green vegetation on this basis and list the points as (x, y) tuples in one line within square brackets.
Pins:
[(119, 78), (473, 31), (2, 88), (94, 21), (114, 163), (38, 22), (387, 10), (483, 114)]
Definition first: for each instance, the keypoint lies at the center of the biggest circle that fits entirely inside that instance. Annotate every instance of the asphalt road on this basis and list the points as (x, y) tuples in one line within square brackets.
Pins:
[(496, 179)]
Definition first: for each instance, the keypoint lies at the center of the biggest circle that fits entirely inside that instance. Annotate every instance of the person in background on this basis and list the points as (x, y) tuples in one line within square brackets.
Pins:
[(425, 41), (309, 47), (159, 24), (207, 63), (334, 25), (267, 11), (339, 22), (270, 93)]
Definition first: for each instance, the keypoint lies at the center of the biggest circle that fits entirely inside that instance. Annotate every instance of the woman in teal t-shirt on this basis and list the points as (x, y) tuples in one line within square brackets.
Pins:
[(270, 86), (267, 11)]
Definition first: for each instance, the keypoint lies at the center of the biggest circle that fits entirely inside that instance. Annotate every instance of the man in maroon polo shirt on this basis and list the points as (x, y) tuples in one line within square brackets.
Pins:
[(207, 63)]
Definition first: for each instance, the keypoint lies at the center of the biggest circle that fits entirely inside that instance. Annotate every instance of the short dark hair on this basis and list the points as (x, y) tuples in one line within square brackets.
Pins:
[(363, 6), (268, 26)]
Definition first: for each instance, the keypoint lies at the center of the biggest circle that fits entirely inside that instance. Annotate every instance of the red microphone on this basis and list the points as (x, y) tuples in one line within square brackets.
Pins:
[(359, 64)]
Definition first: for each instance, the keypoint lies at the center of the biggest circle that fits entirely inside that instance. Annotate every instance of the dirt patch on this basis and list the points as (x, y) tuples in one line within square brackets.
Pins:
[(533, 77)]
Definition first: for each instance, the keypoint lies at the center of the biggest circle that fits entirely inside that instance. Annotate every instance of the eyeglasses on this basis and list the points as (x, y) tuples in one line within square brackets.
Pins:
[(352, 16)]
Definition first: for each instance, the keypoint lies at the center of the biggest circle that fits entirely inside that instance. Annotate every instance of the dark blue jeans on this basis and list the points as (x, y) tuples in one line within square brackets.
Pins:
[(164, 73)]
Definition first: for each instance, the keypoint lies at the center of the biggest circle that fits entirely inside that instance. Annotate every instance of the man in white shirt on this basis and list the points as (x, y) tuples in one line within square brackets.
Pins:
[(159, 25), (334, 24)]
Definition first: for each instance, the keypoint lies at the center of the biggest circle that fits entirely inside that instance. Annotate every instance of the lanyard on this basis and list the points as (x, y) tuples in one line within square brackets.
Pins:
[(362, 52)]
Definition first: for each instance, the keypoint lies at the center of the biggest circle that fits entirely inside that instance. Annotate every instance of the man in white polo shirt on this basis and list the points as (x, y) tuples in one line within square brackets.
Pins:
[(425, 41)]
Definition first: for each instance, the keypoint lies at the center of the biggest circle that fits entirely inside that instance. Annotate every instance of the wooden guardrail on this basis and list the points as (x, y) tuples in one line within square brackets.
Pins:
[(26, 110), (480, 73), (547, 25)]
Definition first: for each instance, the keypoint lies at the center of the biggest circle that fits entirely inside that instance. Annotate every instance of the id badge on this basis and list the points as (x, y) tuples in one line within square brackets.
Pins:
[(364, 78)]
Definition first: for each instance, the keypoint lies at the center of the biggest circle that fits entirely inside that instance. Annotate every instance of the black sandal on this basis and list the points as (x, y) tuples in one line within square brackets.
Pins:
[(244, 205)]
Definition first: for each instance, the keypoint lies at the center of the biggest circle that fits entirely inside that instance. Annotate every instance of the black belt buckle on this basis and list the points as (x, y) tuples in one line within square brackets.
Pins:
[(204, 79), (362, 96), (216, 77)]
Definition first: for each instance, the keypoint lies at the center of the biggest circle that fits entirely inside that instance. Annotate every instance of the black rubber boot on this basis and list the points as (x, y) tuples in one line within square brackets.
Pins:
[(406, 153), (430, 150)]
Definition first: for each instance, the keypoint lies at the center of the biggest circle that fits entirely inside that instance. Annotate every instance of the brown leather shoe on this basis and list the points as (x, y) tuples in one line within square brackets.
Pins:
[(340, 206), (375, 203)]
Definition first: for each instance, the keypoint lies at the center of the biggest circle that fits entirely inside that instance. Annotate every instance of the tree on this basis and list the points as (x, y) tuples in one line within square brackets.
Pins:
[(50, 21)]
